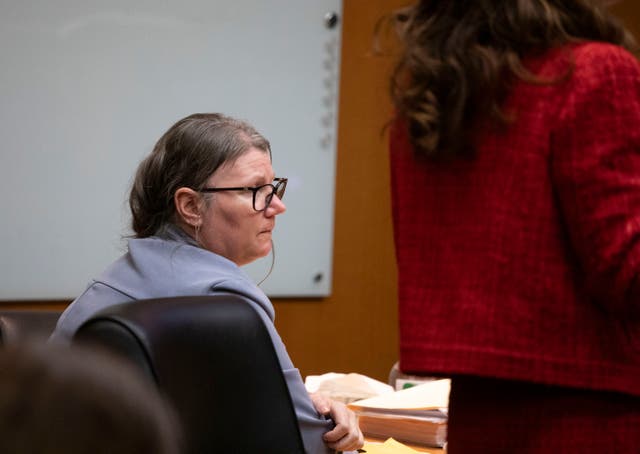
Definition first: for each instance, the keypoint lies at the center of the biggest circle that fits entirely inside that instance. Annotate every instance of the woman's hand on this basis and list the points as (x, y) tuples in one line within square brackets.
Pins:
[(346, 435)]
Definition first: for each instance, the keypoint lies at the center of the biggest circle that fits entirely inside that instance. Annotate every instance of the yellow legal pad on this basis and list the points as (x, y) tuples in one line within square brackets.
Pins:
[(390, 446)]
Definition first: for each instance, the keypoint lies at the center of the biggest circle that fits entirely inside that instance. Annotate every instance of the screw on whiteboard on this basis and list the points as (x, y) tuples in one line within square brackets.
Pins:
[(318, 277), (331, 19)]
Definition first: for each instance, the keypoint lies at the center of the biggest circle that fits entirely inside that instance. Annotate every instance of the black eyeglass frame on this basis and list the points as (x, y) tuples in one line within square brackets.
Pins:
[(278, 189)]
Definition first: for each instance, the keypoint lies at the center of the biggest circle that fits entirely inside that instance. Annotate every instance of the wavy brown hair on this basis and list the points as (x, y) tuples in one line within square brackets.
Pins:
[(459, 59)]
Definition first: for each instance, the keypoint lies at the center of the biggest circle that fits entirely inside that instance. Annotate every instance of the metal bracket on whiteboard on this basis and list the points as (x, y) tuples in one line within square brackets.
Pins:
[(330, 65)]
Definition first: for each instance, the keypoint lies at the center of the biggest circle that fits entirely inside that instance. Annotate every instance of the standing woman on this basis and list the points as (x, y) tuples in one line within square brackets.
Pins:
[(515, 160), (204, 202)]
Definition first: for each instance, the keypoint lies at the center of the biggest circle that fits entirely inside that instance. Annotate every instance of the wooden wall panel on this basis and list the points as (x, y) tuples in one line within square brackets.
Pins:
[(629, 13)]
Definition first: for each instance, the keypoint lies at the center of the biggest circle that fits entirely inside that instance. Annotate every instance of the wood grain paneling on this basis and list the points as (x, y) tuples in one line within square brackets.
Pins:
[(628, 11)]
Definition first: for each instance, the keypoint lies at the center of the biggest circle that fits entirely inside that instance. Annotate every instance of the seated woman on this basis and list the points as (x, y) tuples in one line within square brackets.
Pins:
[(204, 203)]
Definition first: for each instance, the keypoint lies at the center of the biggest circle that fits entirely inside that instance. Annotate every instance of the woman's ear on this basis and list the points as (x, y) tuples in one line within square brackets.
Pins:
[(188, 204)]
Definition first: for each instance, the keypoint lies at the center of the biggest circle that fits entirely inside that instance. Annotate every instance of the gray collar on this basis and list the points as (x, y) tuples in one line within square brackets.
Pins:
[(174, 233)]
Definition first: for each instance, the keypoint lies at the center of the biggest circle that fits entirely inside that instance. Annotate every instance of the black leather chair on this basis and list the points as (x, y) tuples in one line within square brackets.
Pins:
[(213, 358), (18, 326)]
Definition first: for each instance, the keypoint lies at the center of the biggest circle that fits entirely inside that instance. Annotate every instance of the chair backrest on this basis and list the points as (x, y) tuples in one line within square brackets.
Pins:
[(17, 326), (213, 358)]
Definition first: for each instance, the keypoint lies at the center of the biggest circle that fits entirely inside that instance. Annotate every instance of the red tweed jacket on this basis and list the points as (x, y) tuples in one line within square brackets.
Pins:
[(524, 263)]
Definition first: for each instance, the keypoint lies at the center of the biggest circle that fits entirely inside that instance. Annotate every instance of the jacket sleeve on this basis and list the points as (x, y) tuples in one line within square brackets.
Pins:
[(312, 425), (595, 166)]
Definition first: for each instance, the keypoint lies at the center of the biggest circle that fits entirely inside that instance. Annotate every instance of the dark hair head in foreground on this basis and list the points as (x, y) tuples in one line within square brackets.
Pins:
[(57, 399)]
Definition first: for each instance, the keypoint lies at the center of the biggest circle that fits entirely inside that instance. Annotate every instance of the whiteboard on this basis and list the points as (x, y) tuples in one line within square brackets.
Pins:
[(88, 86)]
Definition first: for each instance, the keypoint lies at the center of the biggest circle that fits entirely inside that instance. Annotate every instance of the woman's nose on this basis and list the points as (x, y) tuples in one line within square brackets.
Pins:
[(276, 207)]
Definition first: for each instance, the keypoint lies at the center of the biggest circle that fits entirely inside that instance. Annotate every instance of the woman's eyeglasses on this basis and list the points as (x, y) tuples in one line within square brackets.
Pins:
[(262, 195)]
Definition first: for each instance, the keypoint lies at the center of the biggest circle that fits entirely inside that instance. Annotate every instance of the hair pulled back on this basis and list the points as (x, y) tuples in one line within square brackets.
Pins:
[(186, 156), (460, 58)]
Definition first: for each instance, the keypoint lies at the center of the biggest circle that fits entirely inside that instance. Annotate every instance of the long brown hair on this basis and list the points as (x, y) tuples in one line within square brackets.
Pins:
[(460, 57)]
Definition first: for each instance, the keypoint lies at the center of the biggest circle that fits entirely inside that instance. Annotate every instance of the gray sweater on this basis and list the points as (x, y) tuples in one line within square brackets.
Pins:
[(172, 265)]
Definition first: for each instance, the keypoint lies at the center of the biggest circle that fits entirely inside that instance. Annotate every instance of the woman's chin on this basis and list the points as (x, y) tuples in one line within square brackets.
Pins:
[(260, 254), (266, 250)]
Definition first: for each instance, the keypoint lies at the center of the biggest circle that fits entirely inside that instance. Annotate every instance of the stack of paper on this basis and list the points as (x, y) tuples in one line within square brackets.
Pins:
[(414, 415), (346, 388)]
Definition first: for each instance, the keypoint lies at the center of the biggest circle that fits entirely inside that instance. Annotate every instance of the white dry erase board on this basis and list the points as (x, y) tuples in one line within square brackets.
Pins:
[(88, 86)]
